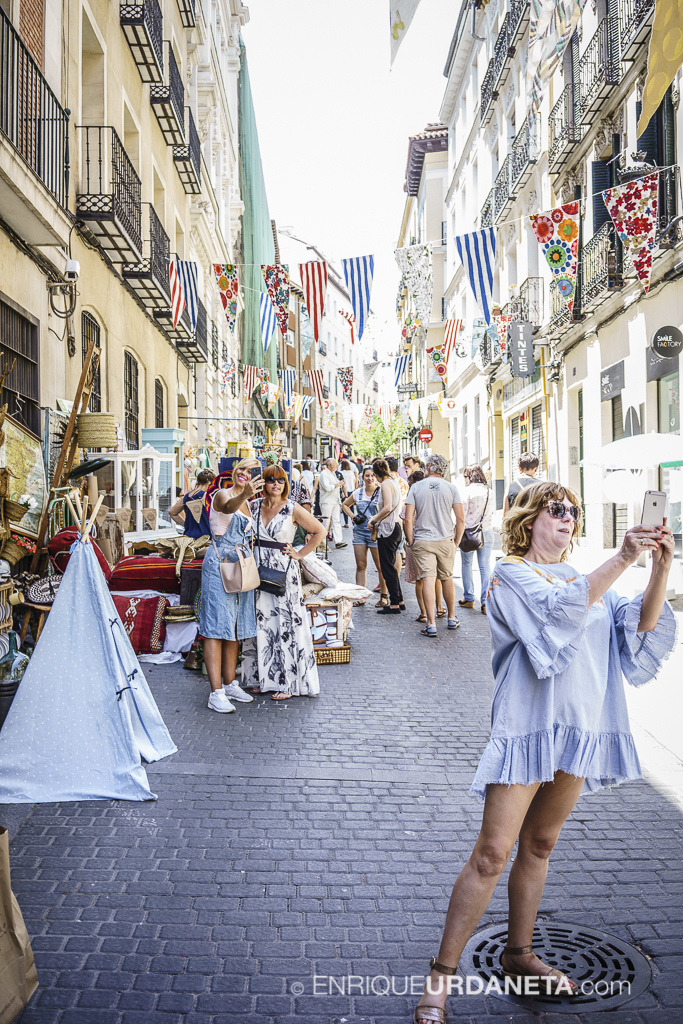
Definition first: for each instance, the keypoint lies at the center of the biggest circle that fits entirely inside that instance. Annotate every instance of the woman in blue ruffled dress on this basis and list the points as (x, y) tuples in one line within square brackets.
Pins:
[(562, 644)]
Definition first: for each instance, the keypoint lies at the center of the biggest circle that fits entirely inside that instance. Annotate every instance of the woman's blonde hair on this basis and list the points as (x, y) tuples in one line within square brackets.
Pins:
[(520, 519)]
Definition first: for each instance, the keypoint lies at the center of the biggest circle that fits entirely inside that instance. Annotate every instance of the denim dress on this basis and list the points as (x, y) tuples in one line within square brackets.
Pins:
[(361, 534), (226, 616)]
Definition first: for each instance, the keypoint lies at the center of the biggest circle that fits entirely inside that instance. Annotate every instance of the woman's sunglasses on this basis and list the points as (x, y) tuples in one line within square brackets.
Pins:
[(558, 510)]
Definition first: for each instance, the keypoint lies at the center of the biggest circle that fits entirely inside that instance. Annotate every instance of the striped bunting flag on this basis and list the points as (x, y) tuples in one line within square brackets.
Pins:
[(250, 380), (268, 319), (477, 252), (317, 384), (185, 272), (351, 321), (385, 412), (400, 367), (301, 403), (358, 273), (288, 377), (450, 335), (314, 282)]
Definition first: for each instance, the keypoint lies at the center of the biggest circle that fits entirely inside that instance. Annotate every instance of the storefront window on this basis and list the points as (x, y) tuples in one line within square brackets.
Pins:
[(671, 479)]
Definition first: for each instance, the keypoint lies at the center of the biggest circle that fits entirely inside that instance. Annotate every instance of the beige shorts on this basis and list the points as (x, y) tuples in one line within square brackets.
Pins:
[(434, 558)]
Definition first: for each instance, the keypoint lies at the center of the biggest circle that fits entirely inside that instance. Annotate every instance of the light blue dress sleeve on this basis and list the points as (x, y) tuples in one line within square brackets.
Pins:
[(641, 654), (546, 617)]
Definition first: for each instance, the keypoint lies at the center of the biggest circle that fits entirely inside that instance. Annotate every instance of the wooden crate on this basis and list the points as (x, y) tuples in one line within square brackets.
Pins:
[(332, 655)]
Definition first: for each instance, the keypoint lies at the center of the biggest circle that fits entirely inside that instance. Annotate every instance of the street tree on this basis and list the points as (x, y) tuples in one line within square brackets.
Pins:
[(376, 440)]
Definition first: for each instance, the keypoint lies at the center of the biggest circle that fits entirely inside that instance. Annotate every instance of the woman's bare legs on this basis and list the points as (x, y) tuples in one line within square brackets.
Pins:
[(504, 818), (229, 660), (361, 553), (375, 557), (420, 598), (213, 656)]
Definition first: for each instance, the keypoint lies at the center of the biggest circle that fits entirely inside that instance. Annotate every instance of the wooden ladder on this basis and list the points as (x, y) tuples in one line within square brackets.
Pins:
[(70, 442)]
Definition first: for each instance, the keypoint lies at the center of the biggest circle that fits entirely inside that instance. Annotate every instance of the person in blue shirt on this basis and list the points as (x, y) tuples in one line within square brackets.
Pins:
[(561, 645), (194, 518)]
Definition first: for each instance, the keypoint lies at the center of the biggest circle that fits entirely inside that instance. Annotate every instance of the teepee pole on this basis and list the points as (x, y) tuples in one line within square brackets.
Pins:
[(92, 516)]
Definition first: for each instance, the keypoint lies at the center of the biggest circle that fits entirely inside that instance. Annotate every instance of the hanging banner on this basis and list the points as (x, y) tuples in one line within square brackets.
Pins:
[(345, 374), (437, 363), (400, 366), (268, 319), (351, 320), (329, 410), (522, 362), (368, 372), (410, 325), (273, 393), (369, 414), (415, 264), (316, 379), (277, 282), (385, 413), (447, 407), (346, 413), (314, 282), (227, 375), (664, 58), (477, 252), (182, 276), (250, 381), (229, 288), (558, 233), (633, 209), (551, 26), (502, 322), (451, 329), (358, 273), (288, 379), (401, 13)]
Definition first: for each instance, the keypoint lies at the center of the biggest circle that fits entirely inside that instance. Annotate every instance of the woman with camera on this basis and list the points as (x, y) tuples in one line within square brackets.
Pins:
[(225, 619), (280, 655), (364, 499), (561, 645)]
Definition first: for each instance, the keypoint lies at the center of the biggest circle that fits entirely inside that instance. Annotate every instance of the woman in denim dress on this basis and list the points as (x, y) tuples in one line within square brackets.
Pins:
[(364, 500), (225, 619)]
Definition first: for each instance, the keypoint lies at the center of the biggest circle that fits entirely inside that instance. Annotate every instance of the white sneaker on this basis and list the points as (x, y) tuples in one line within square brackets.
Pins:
[(219, 702), (236, 692)]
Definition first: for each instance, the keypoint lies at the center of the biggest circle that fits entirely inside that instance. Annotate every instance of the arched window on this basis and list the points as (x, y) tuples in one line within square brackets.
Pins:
[(90, 331), (130, 399), (158, 403)]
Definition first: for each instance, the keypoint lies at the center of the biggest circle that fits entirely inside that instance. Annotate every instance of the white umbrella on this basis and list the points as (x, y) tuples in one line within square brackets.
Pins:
[(642, 451)]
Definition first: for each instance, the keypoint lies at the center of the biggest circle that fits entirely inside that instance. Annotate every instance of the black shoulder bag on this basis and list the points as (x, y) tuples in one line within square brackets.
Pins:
[(273, 581), (473, 537)]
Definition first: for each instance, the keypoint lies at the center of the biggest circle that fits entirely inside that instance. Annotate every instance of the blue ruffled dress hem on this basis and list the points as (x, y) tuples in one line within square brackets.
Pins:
[(603, 759)]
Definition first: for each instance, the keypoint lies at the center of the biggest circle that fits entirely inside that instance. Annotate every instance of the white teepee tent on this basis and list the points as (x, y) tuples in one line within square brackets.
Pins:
[(83, 715)]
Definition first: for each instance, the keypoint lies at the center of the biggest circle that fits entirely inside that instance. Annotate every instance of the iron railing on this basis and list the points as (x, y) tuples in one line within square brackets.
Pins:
[(109, 181), (172, 91), (488, 94), (564, 127), (191, 153), (597, 262), (560, 312), (30, 116), (599, 66), (502, 189), (486, 214), (214, 345), (531, 300), (188, 14), (159, 250), (633, 15), (202, 326), (145, 15), (524, 150)]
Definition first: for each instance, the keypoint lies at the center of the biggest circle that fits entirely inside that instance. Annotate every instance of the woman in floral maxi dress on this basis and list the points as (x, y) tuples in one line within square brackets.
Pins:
[(280, 658)]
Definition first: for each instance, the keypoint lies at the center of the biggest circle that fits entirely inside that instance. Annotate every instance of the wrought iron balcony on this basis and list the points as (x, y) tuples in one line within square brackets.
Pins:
[(635, 20), (488, 95), (108, 199), (196, 346), (188, 159), (188, 15), (142, 25), (168, 102), (322, 347), (31, 119), (214, 345), (598, 267), (490, 352), (599, 69), (486, 214), (560, 314), (503, 194), (149, 278), (183, 329), (564, 127), (524, 153), (511, 31), (531, 300)]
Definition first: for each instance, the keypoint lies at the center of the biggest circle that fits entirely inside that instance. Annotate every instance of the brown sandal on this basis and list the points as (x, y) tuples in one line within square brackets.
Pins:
[(281, 696), (383, 601), (420, 618), (551, 987), (433, 1013)]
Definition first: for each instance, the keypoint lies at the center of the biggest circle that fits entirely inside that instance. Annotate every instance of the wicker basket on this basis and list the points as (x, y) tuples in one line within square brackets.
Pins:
[(96, 430), (13, 552), (333, 655), (14, 511)]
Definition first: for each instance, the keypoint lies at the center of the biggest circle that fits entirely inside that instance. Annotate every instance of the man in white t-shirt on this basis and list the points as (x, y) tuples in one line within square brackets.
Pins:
[(330, 486), (433, 539)]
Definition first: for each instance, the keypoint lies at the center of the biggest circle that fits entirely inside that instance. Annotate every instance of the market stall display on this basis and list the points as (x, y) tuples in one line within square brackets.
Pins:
[(136, 483)]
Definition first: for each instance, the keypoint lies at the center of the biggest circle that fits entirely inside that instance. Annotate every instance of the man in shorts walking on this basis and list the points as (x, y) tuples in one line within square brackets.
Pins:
[(433, 538)]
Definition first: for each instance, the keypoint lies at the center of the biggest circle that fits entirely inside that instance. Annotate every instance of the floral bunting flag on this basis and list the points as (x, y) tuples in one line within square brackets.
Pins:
[(272, 394), (633, 208), (329, 408), (558, 232), (502, 323), (229, 288), (277, 283), (415, 263), (437, 364), (227, 375), (369, 415), (345, 374), (263, 378), (409, 327)]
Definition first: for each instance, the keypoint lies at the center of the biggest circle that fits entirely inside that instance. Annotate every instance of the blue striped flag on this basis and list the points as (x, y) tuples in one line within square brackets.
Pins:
[(400, 367), (288, 377), (477, 252), (268, 319), (358, 273), (187, 273)]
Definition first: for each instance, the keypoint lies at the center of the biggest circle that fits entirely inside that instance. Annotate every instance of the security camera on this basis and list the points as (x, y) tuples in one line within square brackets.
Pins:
[(73, 270)]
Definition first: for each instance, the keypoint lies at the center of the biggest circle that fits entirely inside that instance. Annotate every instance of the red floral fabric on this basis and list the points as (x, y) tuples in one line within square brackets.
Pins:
[(277, 283), (558, 233), (633, 209), (143, 621), (229, 287)]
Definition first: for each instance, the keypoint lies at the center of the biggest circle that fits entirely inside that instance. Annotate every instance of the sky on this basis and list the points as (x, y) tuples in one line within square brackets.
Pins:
[(334, 122)]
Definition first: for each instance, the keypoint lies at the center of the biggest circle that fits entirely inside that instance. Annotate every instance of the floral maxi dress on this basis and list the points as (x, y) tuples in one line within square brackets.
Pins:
[(280, 656)]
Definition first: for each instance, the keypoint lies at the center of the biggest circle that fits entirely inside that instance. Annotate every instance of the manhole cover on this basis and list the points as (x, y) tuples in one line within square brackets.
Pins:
[(608, 971)]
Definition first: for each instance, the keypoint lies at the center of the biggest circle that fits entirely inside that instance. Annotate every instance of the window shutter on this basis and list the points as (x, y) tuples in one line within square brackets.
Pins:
[(649, 140), (537, 439), (600, 181)]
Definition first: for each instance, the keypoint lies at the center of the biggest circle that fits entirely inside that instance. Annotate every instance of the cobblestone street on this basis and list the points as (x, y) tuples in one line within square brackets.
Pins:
[(320, 837)]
